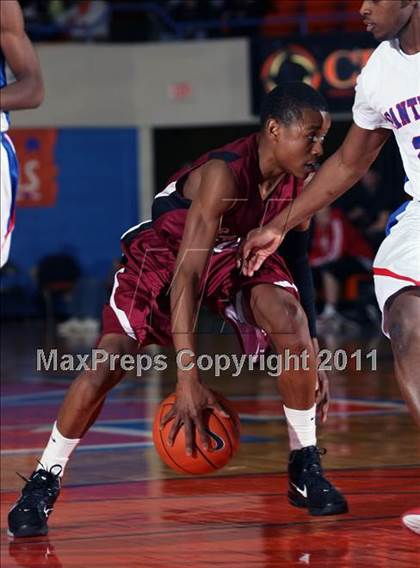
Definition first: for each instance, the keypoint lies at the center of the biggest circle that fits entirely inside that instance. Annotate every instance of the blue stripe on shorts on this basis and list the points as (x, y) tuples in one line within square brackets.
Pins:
[(13, 170)]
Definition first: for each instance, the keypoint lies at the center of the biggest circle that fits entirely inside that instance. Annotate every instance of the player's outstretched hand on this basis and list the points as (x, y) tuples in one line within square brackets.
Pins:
[(192, 398), (322, 396), (259, 244)]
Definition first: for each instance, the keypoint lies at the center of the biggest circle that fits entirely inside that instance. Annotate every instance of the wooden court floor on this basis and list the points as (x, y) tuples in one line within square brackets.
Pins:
[(122, 508)]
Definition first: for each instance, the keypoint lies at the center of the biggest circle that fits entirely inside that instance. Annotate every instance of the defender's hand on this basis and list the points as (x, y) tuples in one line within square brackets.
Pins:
[(260, 243)]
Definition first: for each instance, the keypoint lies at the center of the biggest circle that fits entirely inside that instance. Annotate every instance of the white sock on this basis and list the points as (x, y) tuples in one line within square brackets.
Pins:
[(302, 427), (57, 451)]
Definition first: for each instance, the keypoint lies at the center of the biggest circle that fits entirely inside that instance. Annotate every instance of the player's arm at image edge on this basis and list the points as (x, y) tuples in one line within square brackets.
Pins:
[(28, 89)]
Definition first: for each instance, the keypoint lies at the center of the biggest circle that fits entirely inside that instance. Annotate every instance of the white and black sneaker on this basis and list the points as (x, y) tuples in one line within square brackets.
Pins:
[(29, 515), (308, 487)]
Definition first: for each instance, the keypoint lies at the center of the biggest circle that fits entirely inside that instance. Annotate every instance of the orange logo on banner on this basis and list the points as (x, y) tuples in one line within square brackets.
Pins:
[(38, 171)]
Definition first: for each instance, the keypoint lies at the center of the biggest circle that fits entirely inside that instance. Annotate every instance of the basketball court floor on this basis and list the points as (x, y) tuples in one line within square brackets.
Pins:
[(121, 507)]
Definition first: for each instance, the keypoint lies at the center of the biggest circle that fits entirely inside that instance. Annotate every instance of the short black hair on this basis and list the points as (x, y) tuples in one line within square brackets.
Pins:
[(287, 101)]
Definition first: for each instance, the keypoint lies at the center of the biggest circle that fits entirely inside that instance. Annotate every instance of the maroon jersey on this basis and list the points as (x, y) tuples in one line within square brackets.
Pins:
[(170, 207), (139, 304)]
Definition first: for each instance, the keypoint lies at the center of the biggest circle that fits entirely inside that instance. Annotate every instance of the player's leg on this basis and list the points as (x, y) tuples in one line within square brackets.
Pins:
[(403, 319), (89, 389), (402, 315), (79, 410), (397, 286), (280, 314), (282, 317), (125, 323)]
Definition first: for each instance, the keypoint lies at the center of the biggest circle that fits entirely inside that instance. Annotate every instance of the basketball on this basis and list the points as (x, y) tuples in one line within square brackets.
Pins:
[(223, 440)]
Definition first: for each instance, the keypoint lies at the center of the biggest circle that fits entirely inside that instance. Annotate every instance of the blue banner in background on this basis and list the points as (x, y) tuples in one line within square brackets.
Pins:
[(96, 201)]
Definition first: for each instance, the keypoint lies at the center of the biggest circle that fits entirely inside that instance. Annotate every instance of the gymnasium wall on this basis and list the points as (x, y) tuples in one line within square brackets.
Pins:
[(143, 84)]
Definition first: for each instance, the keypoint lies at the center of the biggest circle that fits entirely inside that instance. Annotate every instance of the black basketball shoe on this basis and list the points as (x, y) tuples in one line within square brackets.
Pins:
[(308, 487), (28, 517)]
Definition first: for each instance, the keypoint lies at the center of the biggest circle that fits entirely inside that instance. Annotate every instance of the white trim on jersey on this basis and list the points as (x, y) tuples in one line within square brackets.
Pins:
[(121, 315), (285, 284), (134, 228), (167, 191)]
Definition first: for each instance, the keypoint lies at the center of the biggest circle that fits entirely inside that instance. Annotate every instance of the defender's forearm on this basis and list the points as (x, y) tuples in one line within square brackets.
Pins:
[(332, 180), (25, 93)]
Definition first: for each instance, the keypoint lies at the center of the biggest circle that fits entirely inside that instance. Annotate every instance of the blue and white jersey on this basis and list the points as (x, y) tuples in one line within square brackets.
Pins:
[(4, 116)]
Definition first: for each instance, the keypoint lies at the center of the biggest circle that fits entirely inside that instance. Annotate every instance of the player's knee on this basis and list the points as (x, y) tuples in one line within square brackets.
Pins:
[(105, 372), (288, 326), (116, 344), (404, 327)]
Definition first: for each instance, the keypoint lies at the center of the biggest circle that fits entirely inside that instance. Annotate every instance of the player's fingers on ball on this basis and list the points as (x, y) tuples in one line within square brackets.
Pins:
[(188, 430), (218, 408), (174, 430), (168, 416), (202, 433)]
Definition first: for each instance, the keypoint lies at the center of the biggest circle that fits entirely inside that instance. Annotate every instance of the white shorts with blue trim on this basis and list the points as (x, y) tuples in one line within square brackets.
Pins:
[(8, 189), (397, 262)]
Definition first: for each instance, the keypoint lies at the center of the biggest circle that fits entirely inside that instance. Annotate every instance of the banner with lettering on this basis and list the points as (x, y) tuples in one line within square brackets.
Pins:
[(78, 193), (329, 63), (38, 168)]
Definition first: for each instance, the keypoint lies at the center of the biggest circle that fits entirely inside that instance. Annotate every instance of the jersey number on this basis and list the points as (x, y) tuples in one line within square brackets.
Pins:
[(416, 144)]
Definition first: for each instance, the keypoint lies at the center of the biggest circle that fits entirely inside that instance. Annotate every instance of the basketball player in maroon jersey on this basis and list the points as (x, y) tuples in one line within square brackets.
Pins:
[(188, 253)]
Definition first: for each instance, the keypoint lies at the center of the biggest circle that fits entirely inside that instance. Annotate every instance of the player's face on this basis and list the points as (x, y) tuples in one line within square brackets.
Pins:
[(386, 18), (300, 144)]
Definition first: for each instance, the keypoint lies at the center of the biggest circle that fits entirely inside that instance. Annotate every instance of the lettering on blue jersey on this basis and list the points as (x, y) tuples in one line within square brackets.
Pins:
[(412, 103), (406, 111)]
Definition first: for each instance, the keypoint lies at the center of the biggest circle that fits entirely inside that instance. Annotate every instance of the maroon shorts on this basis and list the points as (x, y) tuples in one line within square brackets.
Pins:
[(140, 304)]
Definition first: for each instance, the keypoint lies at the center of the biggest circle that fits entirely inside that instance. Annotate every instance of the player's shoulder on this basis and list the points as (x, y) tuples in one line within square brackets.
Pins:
[(215, 172), (380, 56), (372, 72)]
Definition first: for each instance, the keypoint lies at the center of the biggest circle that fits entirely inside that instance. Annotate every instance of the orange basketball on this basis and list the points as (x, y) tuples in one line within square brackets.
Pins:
[(223, 437)]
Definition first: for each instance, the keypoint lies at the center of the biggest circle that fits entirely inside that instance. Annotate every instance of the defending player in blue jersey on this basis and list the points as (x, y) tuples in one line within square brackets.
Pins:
[(26, 91)]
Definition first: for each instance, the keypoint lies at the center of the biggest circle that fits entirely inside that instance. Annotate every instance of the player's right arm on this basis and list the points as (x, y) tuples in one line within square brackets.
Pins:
[(28, 90), (214, 191), (338, 174)]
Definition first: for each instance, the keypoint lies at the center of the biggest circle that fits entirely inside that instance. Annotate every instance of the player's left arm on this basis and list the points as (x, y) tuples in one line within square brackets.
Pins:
[(28, 89)]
